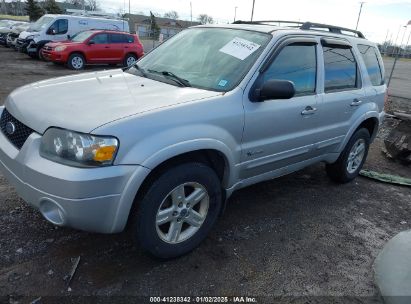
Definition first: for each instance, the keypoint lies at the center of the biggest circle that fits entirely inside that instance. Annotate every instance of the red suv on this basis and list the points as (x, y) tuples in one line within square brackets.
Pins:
[(95, 47)]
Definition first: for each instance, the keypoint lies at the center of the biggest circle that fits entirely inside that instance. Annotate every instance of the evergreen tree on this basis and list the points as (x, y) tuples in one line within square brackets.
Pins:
[(33, 10), (155, 29), (51, 7)]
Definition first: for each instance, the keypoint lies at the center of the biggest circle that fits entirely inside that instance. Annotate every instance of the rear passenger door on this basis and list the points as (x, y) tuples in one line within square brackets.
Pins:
[(342, 93), (117, 44)]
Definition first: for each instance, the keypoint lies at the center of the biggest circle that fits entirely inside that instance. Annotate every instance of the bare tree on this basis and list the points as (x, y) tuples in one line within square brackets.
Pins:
[(76, 3), (204, 19), (94, 5), (172, 15)]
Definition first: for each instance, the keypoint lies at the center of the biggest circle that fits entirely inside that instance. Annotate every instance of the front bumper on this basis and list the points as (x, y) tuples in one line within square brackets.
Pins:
[(21, 45), (91, 199), (53, 56)]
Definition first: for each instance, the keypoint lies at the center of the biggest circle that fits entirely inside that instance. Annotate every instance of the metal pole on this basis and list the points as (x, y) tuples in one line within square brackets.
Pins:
[(235, 13), (252, 12), (359, 14), (396, 58), (191, 13), (129, 8)]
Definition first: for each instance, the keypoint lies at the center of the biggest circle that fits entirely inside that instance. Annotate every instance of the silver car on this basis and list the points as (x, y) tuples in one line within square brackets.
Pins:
[(162, 144)]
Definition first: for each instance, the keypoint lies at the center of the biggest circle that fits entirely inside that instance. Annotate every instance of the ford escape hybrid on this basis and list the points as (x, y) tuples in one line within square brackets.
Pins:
[(162, 144)]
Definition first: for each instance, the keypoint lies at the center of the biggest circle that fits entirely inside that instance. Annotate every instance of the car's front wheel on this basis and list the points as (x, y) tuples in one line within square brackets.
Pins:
[(352, 158), (76, 61), (178, 210)]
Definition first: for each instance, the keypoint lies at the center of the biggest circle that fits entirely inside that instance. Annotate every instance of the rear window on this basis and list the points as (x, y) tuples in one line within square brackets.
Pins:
[(340, 69), (369, 55)]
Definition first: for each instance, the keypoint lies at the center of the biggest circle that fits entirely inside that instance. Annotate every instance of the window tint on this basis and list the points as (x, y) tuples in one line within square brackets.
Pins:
[(372, 64), (296, 63), (118, 38), (59, 26), (100, 39), (340, 69), (129, 38)]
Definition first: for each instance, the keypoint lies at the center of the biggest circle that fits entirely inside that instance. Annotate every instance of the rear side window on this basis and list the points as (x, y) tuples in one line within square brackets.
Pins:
[(100, 39), (372, 64), (297, 63), (118, 38), (130, 39), (340, 69)]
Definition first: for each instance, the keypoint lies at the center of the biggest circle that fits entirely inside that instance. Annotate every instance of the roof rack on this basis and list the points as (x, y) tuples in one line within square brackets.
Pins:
[(308, 26)]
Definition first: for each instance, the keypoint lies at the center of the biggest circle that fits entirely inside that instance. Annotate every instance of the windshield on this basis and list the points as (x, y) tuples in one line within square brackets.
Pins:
[(82, 36), (40, 24), (210, 58)]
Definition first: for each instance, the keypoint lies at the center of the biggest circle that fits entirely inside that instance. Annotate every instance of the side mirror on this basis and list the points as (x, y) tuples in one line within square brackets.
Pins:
[(275, 89), (68, 37), (91, 42)]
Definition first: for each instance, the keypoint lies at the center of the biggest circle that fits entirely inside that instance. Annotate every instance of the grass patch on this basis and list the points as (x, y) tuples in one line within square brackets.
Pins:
[(17, 18)]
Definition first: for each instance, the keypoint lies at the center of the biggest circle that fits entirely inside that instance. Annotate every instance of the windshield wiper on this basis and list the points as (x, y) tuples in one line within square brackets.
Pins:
[(183, 82), (141, 70)]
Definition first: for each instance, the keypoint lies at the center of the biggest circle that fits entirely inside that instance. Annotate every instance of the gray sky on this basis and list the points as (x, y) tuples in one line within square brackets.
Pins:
[(378, 16)]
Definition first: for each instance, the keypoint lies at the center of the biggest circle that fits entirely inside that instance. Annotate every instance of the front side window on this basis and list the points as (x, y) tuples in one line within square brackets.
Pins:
[(297, 63), (59, 27), (369, 55), (210, 58), (340, 69), (100, 39)]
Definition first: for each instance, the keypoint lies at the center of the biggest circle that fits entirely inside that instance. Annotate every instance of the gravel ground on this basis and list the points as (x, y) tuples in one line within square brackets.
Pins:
[(296, 238)]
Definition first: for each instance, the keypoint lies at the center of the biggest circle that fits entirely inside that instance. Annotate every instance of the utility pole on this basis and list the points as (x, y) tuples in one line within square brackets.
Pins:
[(252, 11), (191, 13), (359, 14), (235, 13), (129, 8), (396, 57)]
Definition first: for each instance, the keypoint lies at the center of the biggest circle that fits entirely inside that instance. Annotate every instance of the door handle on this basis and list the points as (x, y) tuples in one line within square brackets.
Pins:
[(356, 102), (106, 47), (309, 110)]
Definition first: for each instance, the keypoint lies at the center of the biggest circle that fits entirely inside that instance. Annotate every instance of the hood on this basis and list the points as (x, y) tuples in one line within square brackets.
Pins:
[(5, 30), (67, 43), (86, 101), (25, 34)]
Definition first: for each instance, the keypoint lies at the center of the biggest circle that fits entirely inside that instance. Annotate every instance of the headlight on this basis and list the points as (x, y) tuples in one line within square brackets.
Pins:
[(78, 149), (60, 48)]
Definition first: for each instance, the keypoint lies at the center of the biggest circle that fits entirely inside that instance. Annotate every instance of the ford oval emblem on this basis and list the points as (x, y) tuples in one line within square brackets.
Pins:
[(10, 128)]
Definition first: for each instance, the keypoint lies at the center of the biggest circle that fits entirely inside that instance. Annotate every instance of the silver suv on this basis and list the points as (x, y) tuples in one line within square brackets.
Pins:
[(162, 144)]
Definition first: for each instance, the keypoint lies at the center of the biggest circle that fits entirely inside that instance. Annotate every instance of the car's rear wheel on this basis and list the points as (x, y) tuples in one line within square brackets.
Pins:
[(129, 60), (76, 61), (351, 160), (178, 210)]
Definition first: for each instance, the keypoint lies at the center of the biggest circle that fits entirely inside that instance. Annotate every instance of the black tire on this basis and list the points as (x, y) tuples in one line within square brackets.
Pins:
[(73, 61), (338, 171), (144, 225), (127, 58), (39, 54)]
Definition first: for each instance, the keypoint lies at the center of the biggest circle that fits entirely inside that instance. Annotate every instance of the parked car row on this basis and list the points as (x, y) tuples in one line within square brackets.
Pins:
[(76, 41), (10, 30)]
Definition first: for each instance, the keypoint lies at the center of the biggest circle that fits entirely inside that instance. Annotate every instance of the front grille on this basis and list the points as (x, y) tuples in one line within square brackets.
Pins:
[(21, 131)]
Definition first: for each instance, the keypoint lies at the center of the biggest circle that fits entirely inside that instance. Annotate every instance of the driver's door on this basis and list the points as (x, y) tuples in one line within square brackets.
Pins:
[(58, 30), (279, 133)]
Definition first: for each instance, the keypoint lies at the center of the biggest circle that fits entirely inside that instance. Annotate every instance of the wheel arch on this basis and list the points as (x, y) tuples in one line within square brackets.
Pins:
[(77, 52)]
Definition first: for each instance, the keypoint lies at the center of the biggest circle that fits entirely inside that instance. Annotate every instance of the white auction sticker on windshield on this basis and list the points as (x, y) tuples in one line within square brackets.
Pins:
[(240, 48)]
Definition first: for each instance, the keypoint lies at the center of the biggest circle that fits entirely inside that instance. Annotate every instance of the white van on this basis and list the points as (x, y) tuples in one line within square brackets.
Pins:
[(62, 27)]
